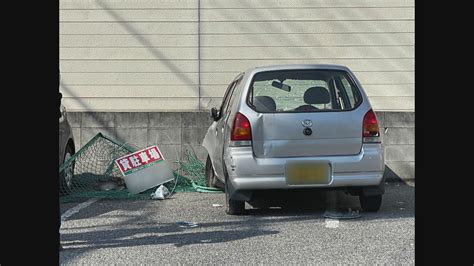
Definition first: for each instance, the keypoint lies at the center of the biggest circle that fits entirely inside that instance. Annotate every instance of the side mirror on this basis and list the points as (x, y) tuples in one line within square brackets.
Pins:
[(214, 114)]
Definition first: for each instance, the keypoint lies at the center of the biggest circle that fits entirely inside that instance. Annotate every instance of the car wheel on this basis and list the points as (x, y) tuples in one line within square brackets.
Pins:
[(210, 175), (370, 203), (68, 174), (232, 207)]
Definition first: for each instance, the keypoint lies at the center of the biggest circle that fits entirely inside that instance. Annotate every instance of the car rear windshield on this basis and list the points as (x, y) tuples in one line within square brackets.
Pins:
[(303, 91)]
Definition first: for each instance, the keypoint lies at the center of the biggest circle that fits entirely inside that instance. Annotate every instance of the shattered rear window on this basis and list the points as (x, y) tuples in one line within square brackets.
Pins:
[(303, 91)]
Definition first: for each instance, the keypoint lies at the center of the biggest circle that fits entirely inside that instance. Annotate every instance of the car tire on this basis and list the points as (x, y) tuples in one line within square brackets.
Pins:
[(232, 207), (370, 203), (210, 175), (65, 179)]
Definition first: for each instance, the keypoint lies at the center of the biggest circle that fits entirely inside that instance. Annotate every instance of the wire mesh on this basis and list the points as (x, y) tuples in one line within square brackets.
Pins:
[(92, 172)]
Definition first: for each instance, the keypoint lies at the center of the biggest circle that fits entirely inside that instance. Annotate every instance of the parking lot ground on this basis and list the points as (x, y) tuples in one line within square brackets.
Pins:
[(149, 232)]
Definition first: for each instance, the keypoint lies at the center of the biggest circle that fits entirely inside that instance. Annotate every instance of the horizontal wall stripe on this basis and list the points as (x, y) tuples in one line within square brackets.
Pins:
[(128, 104), (361, 64), (238, 15), (239, 52), (234, 27), (242, 40), (208, 78)]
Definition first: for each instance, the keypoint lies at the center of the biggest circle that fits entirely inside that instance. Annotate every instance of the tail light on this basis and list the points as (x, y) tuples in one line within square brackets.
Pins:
[(241, 130), (370, 127)]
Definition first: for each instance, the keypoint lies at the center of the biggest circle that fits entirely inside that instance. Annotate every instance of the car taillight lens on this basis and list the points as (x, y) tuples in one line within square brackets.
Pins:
[(241, 128), (370, 127)]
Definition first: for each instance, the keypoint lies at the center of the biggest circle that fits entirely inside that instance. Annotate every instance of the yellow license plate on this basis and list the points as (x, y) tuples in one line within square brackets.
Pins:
[(307, 173)]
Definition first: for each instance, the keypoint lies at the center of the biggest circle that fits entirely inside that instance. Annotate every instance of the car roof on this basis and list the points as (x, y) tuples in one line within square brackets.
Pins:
[(297, 66)]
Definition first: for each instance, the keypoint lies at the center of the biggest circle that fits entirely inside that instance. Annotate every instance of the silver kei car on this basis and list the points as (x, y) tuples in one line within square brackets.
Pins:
[(295, 127)]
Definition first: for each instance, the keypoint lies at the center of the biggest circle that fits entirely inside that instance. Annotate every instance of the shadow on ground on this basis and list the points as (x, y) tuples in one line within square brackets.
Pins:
[(398, 203), (137, 228), (108, 239)]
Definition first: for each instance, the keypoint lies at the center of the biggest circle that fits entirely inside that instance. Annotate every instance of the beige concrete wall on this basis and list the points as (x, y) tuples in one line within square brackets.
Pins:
[(142, 55)]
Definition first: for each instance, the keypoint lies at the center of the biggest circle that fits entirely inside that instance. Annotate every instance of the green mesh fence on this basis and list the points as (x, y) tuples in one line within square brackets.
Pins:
[(91, 172)]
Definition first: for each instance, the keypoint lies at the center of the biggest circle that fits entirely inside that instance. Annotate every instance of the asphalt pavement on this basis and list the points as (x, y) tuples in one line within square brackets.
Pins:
[(192, 228)]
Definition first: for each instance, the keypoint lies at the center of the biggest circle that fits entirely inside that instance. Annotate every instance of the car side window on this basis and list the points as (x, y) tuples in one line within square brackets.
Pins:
[(231, 95), (225, 100), (349, 91)]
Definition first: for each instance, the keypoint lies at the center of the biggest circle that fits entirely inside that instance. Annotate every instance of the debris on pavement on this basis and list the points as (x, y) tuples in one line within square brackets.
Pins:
[(342, 214), (217, 205), (184, 224), (160, 193)]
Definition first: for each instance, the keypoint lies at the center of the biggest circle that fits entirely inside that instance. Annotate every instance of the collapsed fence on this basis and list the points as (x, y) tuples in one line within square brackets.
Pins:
[(92, 172)]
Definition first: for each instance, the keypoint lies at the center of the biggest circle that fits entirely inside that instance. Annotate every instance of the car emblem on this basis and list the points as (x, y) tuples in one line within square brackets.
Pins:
[(307, 123)]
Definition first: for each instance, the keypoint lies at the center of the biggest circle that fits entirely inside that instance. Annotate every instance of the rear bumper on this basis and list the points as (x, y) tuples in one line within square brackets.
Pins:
[(247, 172)]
